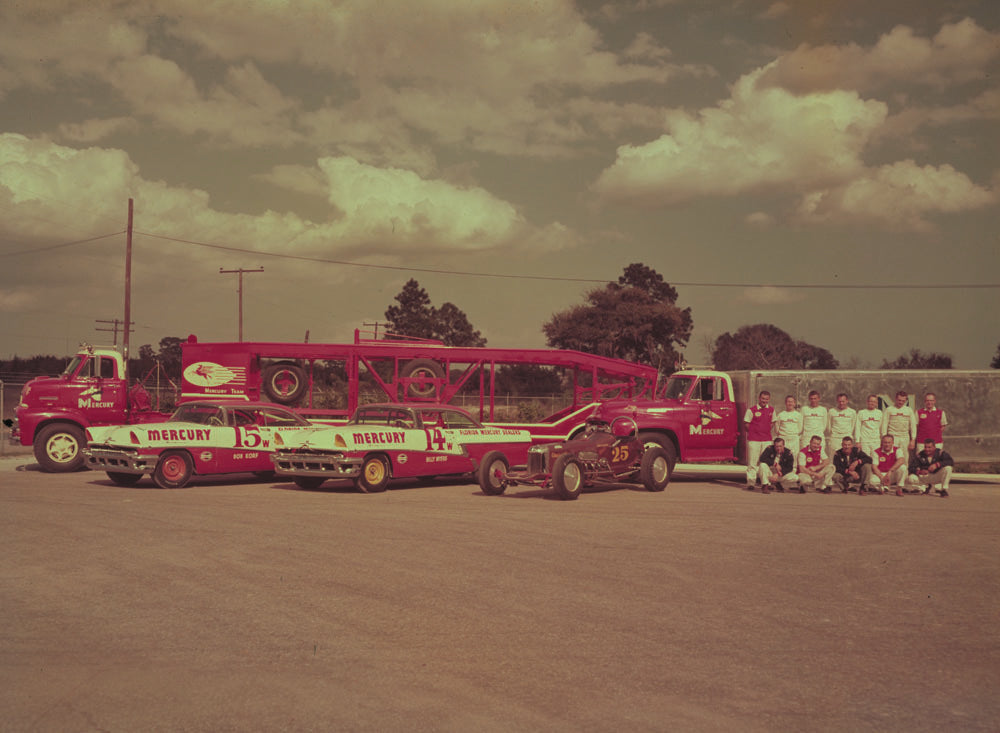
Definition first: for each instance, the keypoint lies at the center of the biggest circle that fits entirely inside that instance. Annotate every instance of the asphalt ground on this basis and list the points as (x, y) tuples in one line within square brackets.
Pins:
[(260, 606)]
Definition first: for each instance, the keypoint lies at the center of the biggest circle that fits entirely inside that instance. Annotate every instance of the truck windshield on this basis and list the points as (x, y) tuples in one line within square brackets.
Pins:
[(676, 388), (73, 364)]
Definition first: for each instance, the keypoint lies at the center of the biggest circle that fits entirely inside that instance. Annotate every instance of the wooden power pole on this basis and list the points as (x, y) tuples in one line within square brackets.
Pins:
[(239, 290)]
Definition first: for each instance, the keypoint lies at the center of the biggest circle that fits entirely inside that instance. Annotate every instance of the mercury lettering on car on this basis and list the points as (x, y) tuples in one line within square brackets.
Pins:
[(181, 434), (379, 438)]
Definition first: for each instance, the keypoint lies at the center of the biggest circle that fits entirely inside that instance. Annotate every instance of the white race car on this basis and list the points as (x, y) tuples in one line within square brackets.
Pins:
[(385, 441), (201, 438)]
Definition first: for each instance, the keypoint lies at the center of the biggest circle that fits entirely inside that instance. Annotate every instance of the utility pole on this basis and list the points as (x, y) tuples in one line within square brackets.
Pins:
[(128, 289), (114, 327), (376, 324), (239, 290)]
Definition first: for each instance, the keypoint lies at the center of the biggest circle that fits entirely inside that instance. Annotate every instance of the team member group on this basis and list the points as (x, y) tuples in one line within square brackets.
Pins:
[(871, 450)]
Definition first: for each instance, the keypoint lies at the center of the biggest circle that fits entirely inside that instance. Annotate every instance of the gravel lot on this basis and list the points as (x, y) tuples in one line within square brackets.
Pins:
[(252, 606)]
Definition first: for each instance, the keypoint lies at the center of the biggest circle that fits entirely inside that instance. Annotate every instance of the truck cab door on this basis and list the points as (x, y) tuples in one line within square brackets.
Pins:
[(101, 391), (712, 433)]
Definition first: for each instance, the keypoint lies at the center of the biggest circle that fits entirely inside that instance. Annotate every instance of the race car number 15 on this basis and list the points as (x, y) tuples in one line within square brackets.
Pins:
[(248, 437)]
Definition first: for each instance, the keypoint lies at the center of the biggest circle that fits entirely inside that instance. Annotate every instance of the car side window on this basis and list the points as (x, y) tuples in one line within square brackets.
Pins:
[(457, 420)]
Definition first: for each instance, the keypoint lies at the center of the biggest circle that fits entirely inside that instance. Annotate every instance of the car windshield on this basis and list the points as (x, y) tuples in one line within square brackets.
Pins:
[(676, 388), (200, 414)]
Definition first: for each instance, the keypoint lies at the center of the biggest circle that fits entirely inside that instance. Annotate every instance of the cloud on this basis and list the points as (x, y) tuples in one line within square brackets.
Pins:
[(960, 52), (380, 210), (492, 76), (759, 138), (898, 196), (95, 129), (759, 219)]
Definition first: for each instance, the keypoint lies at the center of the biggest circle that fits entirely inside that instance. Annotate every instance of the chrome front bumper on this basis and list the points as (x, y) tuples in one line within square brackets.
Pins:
[(327, 465), (118, 461)]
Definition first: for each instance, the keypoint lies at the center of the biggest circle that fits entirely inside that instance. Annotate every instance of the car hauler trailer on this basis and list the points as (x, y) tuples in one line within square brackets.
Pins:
[(378, 370)]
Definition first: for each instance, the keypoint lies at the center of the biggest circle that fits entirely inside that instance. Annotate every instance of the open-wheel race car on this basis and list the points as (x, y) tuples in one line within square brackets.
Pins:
[(607, 453)]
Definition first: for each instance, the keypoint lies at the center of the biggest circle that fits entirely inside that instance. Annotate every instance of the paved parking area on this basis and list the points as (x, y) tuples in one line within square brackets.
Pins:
[(257, 605)]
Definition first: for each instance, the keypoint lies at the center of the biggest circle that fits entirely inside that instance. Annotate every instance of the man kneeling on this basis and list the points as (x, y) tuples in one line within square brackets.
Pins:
[(931, 467), (889, 466), (852, 466), (777, 468)]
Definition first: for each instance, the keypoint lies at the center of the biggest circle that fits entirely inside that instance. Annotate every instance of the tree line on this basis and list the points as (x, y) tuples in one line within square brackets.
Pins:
[(635, 318)]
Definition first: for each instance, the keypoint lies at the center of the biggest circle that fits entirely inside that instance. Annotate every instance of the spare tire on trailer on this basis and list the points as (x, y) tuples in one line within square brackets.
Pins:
[(285, 383), (423, 370)]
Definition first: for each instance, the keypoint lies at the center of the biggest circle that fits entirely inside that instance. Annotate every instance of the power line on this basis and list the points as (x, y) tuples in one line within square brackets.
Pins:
[(58, 246), (552, 278)]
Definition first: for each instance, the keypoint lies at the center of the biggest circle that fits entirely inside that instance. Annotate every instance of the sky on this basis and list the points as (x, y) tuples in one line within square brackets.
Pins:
[(507, 155)]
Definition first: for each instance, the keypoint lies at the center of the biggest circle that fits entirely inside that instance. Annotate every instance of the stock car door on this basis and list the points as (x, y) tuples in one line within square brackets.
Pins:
[(253, 435), (711, 435), (445, 453)]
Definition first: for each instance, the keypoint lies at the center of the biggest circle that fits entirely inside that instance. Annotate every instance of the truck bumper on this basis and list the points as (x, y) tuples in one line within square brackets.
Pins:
[(118, 461), (326, 465)]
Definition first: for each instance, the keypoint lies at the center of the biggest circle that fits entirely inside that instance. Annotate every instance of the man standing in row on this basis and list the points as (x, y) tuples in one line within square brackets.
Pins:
[(758, 420), (788, 425), (868, 429), (900, 421), (814, 418), (931, 422), (843, 423)]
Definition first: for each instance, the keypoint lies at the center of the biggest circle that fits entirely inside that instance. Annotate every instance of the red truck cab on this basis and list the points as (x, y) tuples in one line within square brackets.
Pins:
[(54, 411), (692, 416)]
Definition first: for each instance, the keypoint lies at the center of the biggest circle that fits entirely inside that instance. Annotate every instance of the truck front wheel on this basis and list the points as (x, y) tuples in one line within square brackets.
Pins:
[(59, 447)]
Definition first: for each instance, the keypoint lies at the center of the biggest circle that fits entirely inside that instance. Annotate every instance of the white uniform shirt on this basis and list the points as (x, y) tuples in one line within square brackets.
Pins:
[(842, 421), (813, 422), (868, 427), (789, 424), (900, 422)]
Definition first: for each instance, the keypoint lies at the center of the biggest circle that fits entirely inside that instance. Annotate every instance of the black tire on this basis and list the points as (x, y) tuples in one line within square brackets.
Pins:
[(374, 476), (59, 447), (490, 482), (664, 442), (309, 483), (567, 477), (425, 369), (654, 470), (173, 470), (124, 479), (285, 383)]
